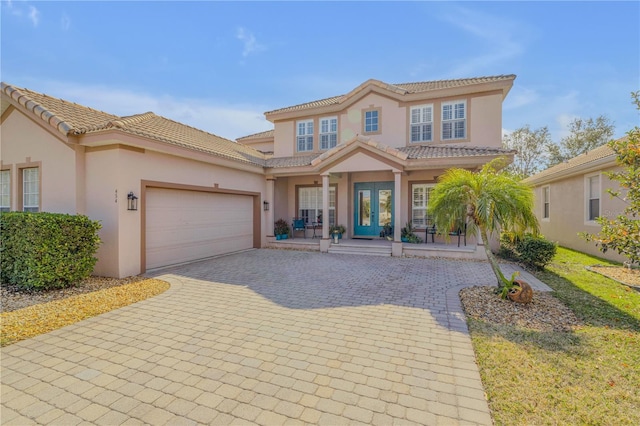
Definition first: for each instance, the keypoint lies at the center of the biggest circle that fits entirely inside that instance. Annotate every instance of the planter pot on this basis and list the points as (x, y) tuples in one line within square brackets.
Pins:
[(404, 239), (278, 237), (285, 236), (521, 292)]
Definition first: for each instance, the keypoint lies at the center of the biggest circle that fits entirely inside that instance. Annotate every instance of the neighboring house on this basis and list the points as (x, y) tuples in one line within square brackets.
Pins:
[(364, 159), (571, 195)]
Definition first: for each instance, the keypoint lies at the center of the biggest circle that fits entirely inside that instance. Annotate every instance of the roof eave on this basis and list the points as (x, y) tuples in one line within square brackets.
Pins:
[(592, 166)]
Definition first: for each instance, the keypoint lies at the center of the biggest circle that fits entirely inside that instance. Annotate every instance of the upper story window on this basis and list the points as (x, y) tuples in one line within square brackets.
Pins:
[(371, 120), (5, 190), (593, 197), (454, 120), (421, 123), (304, 135), (31, 189), (328, 132), (546, 199)]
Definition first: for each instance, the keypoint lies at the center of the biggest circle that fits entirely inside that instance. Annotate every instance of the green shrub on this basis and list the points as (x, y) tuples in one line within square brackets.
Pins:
[(535, 252), (47, 250)]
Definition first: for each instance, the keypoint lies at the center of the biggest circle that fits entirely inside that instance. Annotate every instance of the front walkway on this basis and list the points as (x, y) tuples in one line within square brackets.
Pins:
[(267, 337)]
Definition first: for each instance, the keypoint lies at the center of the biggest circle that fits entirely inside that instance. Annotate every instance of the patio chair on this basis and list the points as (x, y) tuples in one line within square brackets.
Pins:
[(298, 225), (430, 230), (461, 231)]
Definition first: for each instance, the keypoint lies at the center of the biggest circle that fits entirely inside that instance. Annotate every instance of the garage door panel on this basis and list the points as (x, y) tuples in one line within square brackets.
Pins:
[(188, 225)]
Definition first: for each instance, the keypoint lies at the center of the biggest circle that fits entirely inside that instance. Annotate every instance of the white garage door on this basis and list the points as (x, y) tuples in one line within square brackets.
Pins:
[(188, 225)]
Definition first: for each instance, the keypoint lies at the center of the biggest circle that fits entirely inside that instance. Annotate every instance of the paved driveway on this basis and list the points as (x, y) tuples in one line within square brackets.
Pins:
[(267, 337)]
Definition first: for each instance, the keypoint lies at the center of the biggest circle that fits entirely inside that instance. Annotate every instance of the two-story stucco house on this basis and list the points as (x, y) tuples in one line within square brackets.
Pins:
[(571, 195), (362, 160)]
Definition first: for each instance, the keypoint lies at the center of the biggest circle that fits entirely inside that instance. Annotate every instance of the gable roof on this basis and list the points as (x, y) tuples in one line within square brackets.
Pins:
[(602, 156), (70, 119), (260, 135), (399, 89)]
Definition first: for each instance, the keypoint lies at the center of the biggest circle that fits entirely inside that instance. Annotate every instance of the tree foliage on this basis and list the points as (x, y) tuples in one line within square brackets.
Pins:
[(488, 201), (584, 135), (531, 146), (623, 232)]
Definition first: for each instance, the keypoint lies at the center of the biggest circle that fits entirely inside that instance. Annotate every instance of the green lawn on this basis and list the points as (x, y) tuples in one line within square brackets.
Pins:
[(589, 376)]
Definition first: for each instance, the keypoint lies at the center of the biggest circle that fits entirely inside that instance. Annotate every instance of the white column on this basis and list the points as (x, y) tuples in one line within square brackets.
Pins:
[(325, 206), (397, 205), (269, 199)]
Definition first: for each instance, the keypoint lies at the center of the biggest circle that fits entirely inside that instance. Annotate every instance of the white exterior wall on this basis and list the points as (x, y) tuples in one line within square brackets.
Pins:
[(23, 142)]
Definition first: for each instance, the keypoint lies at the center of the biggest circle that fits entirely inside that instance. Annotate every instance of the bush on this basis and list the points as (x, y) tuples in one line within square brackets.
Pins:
[(535, 252), (47, 250), (281, 227)]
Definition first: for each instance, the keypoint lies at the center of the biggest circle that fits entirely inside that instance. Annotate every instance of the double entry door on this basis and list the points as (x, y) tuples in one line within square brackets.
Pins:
[(373, 208)]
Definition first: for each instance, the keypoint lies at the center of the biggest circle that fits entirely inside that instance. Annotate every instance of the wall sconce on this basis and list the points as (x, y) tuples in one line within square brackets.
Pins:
[(132, 201), (265, 206)]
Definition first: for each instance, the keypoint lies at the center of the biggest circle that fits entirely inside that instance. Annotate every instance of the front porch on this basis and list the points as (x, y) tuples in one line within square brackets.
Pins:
[(383, 247)]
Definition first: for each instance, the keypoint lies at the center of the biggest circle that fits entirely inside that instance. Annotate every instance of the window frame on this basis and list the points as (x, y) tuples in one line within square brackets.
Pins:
[(331, 121), (421, 123), (425, 204), (378, 111), (5, 185), (34, 208), (588, 205), (307, 137), (454, 120), (318, 208), (546, 203)]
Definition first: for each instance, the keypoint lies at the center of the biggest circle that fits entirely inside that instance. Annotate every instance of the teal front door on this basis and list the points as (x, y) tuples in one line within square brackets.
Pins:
[(373, 207)]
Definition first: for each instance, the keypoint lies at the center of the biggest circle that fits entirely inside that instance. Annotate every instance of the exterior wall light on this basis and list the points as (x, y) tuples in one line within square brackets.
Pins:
[(132, 201), (265, 206)]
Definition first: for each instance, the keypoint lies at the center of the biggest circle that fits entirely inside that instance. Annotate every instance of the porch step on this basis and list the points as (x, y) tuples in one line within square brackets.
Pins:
[(346, 248)]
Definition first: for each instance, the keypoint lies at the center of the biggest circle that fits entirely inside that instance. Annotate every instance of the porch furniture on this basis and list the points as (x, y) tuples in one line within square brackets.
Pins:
[(460, 232), (314, 226), (429, 230), (298, 225)]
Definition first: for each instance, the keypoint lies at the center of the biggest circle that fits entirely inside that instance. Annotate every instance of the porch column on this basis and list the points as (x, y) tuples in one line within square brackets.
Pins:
[(325, 206), (396, 245), (269, 199)]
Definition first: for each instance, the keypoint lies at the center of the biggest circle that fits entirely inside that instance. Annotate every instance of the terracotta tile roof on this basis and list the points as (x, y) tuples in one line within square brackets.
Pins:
[(443, 151), (298, 160), (259, 135), (73, 119), (402, 88), (600, 155)]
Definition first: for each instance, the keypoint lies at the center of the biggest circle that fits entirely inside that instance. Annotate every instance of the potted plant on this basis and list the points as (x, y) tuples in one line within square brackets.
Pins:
[(387, 231), (407, 234), (337, 229), (281, 229)]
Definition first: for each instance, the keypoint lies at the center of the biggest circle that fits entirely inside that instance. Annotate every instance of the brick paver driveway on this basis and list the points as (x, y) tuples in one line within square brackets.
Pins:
[(267, 337)]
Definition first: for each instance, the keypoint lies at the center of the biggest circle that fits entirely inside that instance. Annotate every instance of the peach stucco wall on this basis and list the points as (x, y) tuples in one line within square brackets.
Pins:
[(122, 170), (484, 123), (24, 142), (567, 213)]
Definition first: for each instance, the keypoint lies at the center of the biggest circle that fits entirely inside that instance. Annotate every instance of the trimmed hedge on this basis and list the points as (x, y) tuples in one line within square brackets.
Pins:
[(47, 250), (535, 252)]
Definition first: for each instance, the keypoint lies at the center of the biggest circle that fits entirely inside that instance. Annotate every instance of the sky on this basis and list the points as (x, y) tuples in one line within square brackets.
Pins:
[(219, 66)]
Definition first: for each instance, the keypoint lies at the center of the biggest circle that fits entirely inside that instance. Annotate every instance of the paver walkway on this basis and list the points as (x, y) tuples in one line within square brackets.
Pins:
[(267, 337)]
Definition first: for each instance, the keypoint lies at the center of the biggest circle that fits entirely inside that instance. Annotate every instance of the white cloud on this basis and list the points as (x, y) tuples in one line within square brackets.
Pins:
[(65, 22), (34, 15), (223, 119), (499, 35), (520, 96), (249, 41)]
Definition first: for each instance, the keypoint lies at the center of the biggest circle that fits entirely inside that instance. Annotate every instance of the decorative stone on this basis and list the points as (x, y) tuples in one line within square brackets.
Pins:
[(521, 292)]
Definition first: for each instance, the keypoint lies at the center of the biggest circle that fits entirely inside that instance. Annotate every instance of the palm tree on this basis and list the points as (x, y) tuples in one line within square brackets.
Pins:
[(488, 201)]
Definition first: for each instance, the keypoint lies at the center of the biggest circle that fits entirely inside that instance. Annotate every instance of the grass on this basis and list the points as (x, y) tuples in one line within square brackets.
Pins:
[(588, 376), (38, 319)]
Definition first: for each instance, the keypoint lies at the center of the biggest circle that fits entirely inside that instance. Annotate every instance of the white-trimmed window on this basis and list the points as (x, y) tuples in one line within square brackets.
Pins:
[(419, 202), (328, 132), (310, 204), (371, 120), (421, 123), (31, 189), (304, 135), (5, 190), (454, 120), (593, 197), (546, 201)]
